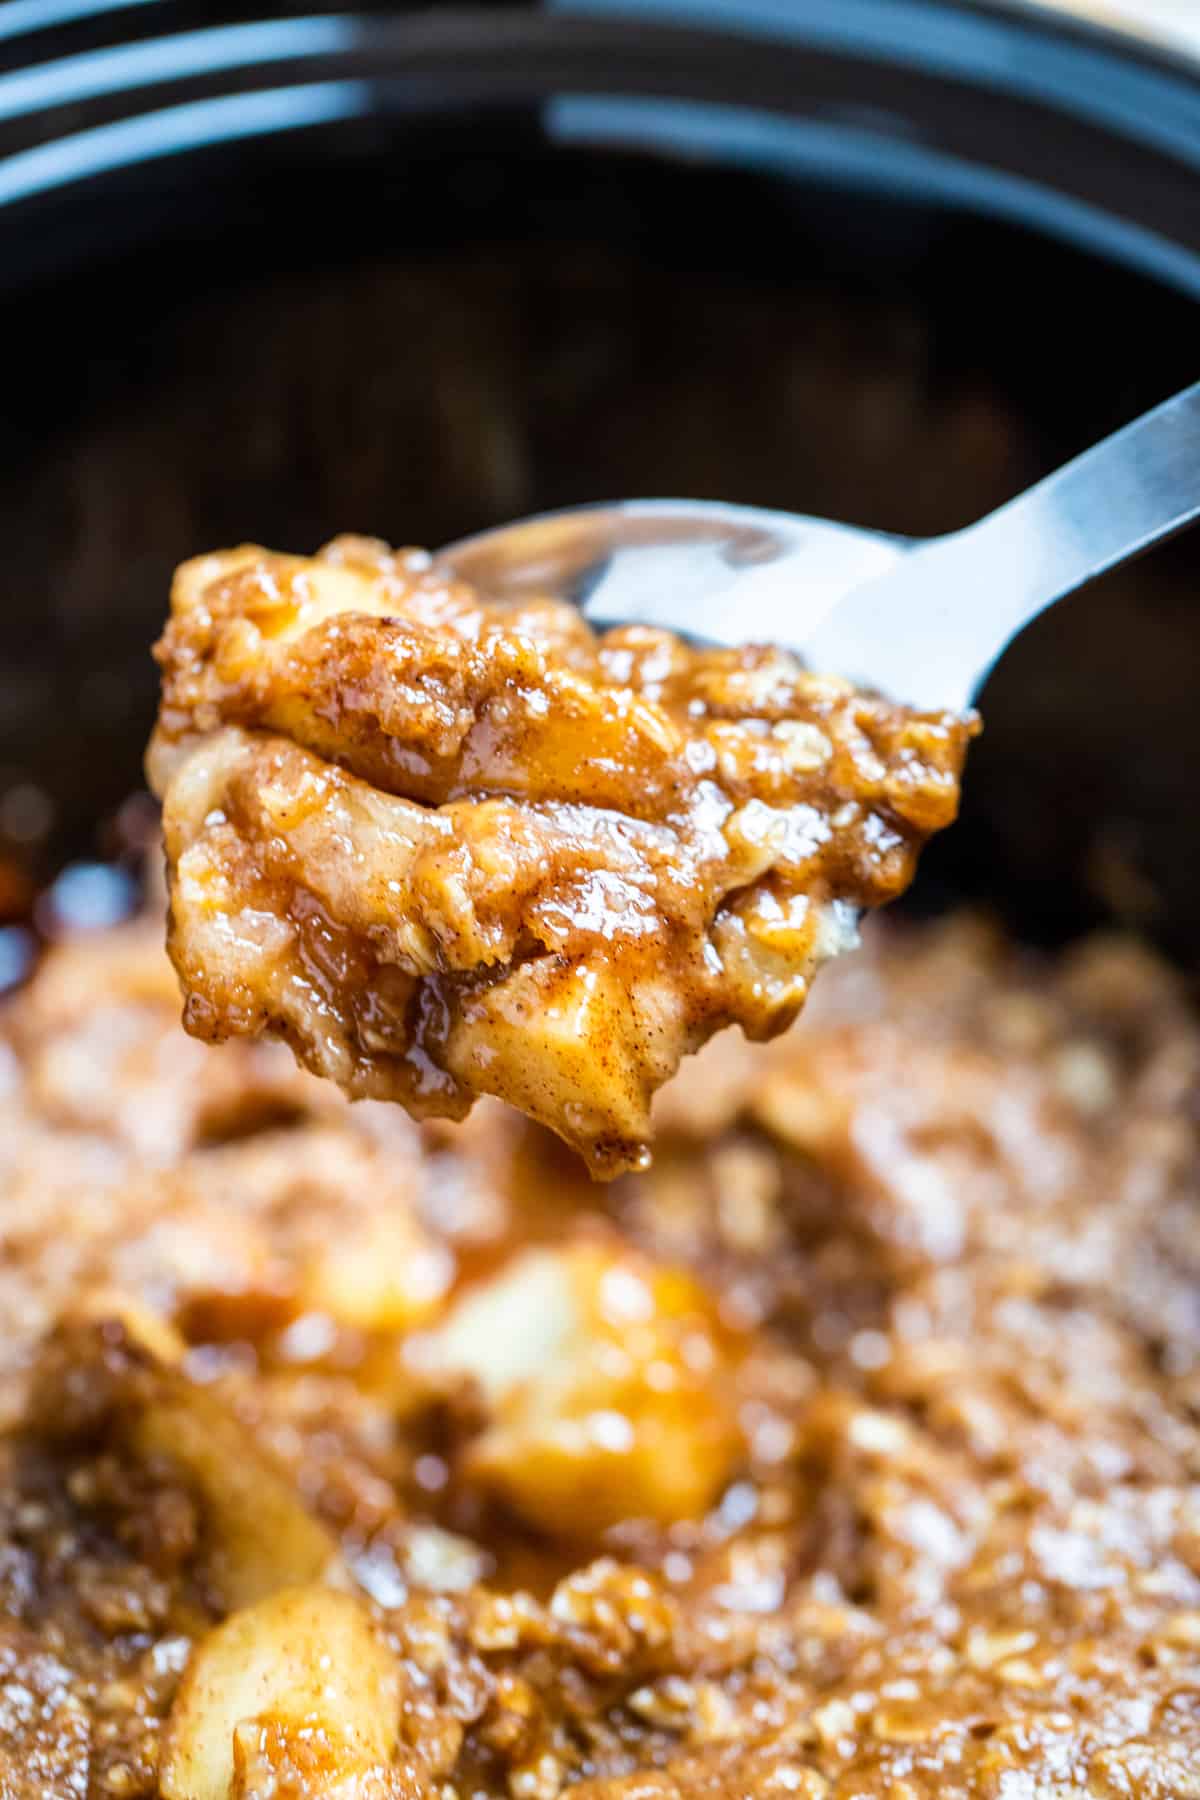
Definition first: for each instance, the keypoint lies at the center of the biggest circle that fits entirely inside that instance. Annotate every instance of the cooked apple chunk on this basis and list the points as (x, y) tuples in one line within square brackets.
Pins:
[(295, 1694), (607, 1384), (446, 847)]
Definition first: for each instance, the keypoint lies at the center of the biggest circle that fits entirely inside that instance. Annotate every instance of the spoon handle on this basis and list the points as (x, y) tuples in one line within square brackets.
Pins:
[(929, 630)]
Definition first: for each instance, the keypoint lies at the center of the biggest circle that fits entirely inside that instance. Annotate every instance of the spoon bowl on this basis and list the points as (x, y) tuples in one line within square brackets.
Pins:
[(688, 566), (923, 620)]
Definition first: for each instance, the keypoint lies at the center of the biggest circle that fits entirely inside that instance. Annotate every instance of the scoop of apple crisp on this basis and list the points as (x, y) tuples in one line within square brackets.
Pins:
[(447, 847)]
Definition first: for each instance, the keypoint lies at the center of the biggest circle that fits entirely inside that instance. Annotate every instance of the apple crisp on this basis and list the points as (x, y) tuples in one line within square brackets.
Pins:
[(445, 847), (851, 1452)]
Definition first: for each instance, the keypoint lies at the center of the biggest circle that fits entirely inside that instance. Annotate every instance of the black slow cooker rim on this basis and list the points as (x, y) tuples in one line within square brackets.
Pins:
[(72, 116), (55, 88), (46, 59)]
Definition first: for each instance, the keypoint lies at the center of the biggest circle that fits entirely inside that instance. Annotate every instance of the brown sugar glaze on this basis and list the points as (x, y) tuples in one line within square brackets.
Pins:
[(446, 847), (853, 1450)]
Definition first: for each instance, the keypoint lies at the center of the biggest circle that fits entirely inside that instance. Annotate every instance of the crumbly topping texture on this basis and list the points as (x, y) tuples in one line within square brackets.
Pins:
[(446, 847), (852, 1452)]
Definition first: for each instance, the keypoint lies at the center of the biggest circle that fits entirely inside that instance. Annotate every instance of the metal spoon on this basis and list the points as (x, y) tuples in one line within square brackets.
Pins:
[(922, 620)]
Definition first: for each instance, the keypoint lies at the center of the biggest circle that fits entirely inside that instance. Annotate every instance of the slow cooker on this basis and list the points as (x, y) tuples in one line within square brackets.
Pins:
[(274, 271)]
